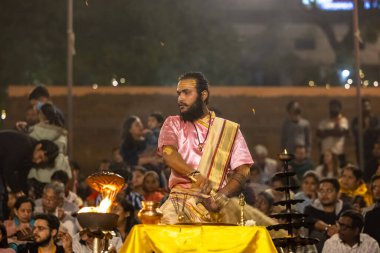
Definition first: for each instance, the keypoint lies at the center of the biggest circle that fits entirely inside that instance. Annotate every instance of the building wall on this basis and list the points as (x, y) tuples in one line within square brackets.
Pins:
[(99, 114)]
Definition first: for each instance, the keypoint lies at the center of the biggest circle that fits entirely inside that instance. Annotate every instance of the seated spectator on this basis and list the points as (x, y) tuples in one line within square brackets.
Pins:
[(350, 238), (11, 204), (277, 182), (330, 166), (268, 166), (126, 218), (52, 202), (308, 193), (104, 165), (79, 185), (151, 186), (264, 202), (255, 181), (20, 227), (4, 246), (358, 203), (154, 124), (372, 165), (301, 163), (133, 141), (45, 233), (61, 176), (138, 174), (324, 211), (351, 185), (372, 213), (117, 162)]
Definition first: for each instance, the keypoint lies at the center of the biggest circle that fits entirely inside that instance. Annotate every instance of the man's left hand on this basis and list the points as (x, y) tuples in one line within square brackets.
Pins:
[(216, 202), (67, 243)]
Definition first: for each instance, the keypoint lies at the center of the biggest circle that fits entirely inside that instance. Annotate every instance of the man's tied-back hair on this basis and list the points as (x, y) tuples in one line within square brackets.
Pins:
[(202, 83)]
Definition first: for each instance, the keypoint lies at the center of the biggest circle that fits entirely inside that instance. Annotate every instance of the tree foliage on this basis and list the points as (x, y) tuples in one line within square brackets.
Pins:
[(147, 42)]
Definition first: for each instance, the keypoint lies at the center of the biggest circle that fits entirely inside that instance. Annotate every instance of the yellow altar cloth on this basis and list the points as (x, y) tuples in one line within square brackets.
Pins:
[(197, 239)]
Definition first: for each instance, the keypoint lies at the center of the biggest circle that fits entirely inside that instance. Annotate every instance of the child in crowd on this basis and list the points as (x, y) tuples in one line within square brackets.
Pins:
[(126, 219), (264, 202), (151, 186), (137, 179), (308, 191)]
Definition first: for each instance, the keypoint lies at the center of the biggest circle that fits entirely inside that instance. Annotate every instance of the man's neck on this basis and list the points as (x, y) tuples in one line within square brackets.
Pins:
[(206, 112), (329, 208), (50, 248), (351, 243)]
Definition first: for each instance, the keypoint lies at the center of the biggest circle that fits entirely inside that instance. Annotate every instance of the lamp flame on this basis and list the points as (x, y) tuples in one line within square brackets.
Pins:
[(108, 195), (285, 152)]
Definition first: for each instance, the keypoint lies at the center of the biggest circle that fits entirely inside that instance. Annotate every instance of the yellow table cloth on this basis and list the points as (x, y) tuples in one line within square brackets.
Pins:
[(197, 238)]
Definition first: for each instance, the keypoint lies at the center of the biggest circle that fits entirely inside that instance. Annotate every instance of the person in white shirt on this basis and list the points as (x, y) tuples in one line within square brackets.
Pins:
[(52, 202), (350, 239), (332, 132)]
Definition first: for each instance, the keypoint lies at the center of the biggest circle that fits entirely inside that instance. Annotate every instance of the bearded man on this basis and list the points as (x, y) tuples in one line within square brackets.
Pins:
[(201, 150), (45, 232)]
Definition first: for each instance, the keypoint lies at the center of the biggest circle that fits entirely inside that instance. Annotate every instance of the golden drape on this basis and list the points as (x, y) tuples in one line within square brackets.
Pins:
[(197, 239)]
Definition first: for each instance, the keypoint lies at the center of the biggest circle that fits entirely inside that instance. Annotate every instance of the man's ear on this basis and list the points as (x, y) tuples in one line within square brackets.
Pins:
[(54, 233), (38, 147), (204, 95)]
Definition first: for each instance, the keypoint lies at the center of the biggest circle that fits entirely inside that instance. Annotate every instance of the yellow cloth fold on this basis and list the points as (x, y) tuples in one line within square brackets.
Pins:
[(216, 155), (197, 239)]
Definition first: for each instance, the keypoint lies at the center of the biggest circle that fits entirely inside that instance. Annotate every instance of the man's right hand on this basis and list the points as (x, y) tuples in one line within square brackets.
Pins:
[(203, 183), (21, 126)]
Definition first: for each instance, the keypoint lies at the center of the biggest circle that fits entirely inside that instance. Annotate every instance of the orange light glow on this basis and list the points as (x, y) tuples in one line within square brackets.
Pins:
[(108, 196)]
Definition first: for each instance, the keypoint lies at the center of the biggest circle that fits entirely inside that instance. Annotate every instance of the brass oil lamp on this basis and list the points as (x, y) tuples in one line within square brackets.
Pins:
[(98, 220)]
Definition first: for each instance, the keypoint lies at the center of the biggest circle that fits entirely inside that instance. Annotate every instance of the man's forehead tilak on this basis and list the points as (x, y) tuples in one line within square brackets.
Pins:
[(186, 84)]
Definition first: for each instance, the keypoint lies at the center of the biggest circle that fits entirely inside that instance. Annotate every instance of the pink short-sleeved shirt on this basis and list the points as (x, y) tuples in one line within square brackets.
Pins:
[(183, 136)]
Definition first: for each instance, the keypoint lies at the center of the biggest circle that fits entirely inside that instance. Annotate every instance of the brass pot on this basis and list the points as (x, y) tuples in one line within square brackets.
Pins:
[(150, 214)]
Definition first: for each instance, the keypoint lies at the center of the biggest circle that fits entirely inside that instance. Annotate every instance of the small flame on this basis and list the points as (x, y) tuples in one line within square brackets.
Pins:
[(108, 194), (105, 205), (285, 152)]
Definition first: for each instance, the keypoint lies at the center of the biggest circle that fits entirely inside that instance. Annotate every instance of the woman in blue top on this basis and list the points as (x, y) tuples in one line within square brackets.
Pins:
[(20, 227)]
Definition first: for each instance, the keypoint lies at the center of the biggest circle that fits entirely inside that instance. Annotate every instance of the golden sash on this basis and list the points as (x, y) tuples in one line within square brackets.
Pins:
[(217, 153)]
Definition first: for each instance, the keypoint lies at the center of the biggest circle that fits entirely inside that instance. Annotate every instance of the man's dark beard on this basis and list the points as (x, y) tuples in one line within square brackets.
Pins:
[(43, 242), (194, 112)]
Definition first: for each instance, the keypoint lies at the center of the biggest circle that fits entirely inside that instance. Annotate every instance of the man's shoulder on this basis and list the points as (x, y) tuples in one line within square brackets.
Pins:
[(369, 209), (173, 119), (367, 238), (335, 238), (304, 122), (231, 123), (332, 243)]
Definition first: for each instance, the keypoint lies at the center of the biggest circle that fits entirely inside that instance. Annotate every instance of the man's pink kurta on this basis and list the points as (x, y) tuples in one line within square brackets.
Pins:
[(183, 136)]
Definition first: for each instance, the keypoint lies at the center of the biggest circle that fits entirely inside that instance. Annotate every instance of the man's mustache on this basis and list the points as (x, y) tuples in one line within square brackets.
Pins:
[(182, 104)]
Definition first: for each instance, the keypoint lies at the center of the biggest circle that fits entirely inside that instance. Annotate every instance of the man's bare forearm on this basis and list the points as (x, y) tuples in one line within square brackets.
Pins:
[(236, 182), (174, 160)]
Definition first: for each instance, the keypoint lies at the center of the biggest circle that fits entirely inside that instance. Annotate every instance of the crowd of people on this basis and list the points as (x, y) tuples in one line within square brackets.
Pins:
[(42, 190)]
